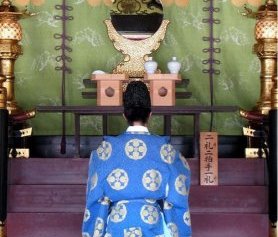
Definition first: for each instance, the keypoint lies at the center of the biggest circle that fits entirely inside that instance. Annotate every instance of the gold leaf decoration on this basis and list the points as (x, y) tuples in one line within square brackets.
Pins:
[(179, 3)]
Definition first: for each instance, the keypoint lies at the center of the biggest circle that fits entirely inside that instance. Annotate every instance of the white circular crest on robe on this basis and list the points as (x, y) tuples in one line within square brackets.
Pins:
[(104, 150), (94, 181), (85, 234), (118, 179), (167, 205), (167, 153), (173, 229), (87, 215), (180, 185), (118, 213), (184, 162), (152, 180), (133, 232), (99, 227), (135, 149), (149, 214), (186, 218)]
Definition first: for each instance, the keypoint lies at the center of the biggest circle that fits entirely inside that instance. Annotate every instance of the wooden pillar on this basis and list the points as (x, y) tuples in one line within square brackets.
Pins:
[(272, 168), (3, 168)]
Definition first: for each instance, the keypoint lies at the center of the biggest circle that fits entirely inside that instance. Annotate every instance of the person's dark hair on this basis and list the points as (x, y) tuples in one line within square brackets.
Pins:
[(137, 102)]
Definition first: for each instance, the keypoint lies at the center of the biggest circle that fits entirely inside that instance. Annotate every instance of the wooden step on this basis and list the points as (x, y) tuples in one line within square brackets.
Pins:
[(74, 171), (69, 225), (71, 198), (47, 198)]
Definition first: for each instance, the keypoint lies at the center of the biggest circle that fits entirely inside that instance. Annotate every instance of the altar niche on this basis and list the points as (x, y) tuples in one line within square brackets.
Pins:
[(136, 29)]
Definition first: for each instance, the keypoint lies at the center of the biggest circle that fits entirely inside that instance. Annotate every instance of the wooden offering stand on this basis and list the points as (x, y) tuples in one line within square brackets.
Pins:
[(162, 88), (109, 88)]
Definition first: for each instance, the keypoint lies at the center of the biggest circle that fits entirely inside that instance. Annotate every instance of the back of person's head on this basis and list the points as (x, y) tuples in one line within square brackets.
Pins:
[(137, 102)]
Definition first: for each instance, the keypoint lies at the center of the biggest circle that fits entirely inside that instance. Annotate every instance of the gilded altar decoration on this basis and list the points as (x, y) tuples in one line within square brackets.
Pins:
[(94, 3), (136, 7), (3, 93), (10, 49), (135, 51), (266, 33), (2, 229), (10, 35)]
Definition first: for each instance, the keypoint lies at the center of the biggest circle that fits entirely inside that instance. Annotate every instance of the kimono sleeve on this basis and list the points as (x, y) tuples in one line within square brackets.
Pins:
[(97, 206), (176, 208)]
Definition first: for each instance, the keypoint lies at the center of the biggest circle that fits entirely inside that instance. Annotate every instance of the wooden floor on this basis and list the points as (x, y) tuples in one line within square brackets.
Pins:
[(47, 198)]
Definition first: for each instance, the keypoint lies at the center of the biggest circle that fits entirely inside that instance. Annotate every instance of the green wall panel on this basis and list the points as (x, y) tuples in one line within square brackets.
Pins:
[(38, 83)]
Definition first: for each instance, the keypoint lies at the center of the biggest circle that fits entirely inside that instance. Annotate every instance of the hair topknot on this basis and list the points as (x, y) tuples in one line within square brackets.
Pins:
[(137, 102), (137, 95)]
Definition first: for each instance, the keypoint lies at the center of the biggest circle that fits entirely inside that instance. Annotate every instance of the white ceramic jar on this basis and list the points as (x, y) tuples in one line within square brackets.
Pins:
[(150, 66), (174, 66)]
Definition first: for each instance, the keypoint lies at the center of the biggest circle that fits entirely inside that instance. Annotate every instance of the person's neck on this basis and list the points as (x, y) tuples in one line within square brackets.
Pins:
[(138, 124)]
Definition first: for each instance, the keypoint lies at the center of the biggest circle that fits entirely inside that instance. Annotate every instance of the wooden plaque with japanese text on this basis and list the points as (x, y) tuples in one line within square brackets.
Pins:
[(208, 158)]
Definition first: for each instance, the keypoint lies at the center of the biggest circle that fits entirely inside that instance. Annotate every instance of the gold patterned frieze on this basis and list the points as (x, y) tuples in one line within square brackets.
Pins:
[(10, 30), (266, 29), (266, 47), (10, 48)]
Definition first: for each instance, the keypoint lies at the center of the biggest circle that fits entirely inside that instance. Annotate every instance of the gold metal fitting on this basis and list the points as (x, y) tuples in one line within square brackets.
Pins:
[(2, 230), (273, 229), (3, 93), (266, 31), (3, 98), (10, 35), (24, 115)]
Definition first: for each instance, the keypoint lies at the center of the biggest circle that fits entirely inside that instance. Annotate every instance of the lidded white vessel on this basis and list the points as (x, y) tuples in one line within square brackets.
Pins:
[(174, 66), (150, 66)]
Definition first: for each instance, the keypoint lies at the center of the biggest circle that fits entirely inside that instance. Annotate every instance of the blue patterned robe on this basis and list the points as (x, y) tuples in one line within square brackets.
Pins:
[(137, 183)]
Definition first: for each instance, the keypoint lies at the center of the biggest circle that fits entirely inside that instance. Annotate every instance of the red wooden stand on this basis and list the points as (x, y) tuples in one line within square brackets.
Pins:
[(163, 88)]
